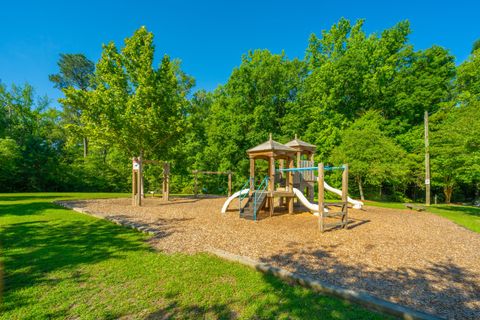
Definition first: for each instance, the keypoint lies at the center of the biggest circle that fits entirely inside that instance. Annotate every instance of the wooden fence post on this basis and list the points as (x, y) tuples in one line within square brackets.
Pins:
[(166, 182), (140, 180), (229, 183), (195, 190)]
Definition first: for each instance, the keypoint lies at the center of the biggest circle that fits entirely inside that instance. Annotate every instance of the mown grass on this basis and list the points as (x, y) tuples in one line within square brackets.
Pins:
[(466, 216), (62, 264)]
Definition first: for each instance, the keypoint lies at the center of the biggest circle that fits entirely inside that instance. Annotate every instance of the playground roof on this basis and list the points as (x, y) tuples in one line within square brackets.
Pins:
[(271, 148), (299, 144), (270, 145)]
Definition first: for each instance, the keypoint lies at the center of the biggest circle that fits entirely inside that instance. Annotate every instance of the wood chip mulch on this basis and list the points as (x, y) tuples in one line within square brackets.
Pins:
[(413, 258)]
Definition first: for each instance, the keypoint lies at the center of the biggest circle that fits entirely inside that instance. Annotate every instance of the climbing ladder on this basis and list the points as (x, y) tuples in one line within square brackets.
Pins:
[(256, 201)]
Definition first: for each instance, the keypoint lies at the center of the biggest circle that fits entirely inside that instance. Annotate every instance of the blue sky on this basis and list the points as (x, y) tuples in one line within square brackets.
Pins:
[(208, 36)]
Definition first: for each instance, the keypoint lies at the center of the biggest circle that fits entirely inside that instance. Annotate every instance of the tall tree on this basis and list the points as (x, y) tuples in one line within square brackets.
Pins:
[(132, 104), (351, 72), (374, 158), (249, 106), (468, 80), (475, 46), (75, 71)]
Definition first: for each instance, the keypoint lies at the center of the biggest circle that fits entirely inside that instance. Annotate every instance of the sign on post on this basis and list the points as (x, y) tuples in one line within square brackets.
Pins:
[(136, 164)]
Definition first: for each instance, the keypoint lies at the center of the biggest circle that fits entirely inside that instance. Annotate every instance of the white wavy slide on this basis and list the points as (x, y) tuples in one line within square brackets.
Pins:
[(356, 204), (310, 206), (233, 196)]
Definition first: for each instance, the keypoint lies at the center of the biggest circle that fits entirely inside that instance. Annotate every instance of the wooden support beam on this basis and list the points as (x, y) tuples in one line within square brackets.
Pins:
[(321, 195), (166, 182), (345, 195), (195, 184), (252, 175), (139, 181), (290, 186), (229, 183), (134, 186), (271, 183)]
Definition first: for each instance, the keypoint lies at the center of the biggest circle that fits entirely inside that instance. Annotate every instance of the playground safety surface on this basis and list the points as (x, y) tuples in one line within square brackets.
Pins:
[(416, 259)]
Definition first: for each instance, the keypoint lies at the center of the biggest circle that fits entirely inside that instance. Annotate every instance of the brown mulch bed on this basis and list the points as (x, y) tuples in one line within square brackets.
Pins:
[(413, 258)]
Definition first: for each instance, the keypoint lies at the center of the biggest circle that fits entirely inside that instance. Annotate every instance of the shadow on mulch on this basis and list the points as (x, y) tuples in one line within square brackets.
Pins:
[(450, 292)]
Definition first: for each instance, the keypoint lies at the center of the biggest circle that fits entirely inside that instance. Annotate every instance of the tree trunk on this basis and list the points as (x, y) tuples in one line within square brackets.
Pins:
[(360, 188), (448, 190), (85, 147), (104, 152), (477, 193)]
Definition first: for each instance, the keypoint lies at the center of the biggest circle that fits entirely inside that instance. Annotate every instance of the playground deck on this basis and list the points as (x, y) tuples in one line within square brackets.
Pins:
[(413, 258)]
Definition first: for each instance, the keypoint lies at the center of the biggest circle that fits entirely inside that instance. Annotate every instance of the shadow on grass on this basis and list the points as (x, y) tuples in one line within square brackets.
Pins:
[(25, 209), (11, 198), (275, 300), (214, 311), (34, 249), (473, 211), (441, 288)]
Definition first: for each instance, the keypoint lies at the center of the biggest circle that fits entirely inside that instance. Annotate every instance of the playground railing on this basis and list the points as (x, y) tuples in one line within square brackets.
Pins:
[(258, 193), (243, 196)]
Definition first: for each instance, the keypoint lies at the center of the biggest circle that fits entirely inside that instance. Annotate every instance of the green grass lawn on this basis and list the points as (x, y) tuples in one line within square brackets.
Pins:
[(466, 216), (62, 264)]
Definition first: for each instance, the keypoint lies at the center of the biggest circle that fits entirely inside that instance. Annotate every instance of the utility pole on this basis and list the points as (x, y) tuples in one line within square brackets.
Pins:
[(427, 163)]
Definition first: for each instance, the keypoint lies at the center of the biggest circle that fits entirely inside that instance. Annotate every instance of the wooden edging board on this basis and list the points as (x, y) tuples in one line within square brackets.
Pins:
[(361, 298)]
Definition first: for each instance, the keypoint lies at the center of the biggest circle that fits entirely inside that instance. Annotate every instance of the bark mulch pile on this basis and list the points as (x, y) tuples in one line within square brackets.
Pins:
[(413, 258)]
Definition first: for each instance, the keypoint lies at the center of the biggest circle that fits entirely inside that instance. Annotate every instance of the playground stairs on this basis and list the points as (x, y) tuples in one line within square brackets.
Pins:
[(255, 202)]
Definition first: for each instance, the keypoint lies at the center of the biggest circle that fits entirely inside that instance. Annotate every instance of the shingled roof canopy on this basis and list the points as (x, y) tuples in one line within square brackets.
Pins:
[(298, 144), (271, 148)]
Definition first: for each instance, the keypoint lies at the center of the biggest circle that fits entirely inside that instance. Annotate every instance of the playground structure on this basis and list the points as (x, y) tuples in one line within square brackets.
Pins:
[(290, 182), (138, 184), (198, 172)]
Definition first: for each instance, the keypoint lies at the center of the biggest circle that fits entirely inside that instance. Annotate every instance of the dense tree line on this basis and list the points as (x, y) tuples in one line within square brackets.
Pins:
[(359, 97)]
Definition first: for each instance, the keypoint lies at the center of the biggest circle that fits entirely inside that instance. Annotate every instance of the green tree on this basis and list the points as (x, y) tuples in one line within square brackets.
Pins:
[(455, 148), (351, 72), (138, 107), (10, 156), (75, 71), (374, 158), (249, 106), (468, 80), (475, 46)]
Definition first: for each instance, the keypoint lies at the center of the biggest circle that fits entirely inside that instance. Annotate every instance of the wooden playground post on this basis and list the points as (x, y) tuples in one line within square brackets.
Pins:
[(280, 167), (139, 181), (134, 182), (321, 195), (290, 186), (271, 184), (229, 183), (166, 182), (195, 183), (252, 175), (345, 195)]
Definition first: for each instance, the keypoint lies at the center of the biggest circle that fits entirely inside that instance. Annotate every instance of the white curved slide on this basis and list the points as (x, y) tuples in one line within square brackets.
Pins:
[(233, 196), (310, 206), (356, 204)]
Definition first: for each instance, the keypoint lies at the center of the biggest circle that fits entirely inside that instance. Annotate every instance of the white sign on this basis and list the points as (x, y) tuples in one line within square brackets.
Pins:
[(427, 181), (136, 165)]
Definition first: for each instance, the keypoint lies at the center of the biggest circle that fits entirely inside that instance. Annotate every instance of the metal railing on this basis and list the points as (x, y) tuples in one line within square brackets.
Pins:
[(258, 193), (243, 196)]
